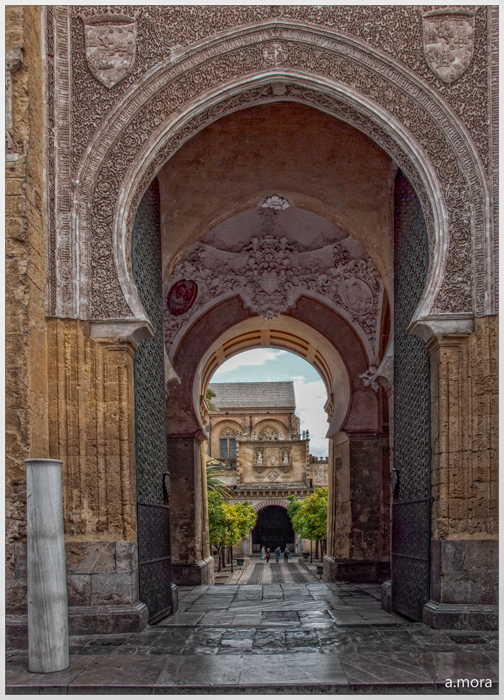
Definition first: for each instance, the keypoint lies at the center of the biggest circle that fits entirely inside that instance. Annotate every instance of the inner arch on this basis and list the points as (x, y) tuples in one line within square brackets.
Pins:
[(284, 333)]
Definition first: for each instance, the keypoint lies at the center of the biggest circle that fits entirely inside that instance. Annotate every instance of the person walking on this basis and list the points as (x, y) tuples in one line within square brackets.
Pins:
[(267, 555), (286, 554), (278, 552), (263, 552)]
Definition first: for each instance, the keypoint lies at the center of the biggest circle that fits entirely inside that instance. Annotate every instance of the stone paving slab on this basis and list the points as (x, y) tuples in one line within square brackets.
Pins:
[(294, 638), (347, 673)]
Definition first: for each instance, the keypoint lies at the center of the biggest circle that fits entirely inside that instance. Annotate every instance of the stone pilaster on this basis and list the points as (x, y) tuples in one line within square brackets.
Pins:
[(359, 492), (464, 547), (190, 566)]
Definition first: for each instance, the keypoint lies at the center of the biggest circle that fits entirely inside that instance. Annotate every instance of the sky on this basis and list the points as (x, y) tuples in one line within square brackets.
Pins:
[(268, 365)]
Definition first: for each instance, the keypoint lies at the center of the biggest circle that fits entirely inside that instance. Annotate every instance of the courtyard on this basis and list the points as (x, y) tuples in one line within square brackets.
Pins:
[(287, 638)]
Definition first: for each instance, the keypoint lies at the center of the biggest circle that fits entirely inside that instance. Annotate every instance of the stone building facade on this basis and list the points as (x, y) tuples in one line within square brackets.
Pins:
[(256, 435), (151, 234)]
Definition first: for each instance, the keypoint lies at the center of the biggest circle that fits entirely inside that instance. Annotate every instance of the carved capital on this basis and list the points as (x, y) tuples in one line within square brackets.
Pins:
[(127, 331), (438, 327)]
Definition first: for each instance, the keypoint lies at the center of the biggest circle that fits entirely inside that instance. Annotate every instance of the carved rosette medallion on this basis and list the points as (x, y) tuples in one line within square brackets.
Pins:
[(357, 295), (273, 474), (110, 46), (448, 40)]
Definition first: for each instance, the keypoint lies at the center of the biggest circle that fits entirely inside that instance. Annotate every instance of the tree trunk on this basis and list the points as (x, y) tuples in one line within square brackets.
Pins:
[(219, 567)]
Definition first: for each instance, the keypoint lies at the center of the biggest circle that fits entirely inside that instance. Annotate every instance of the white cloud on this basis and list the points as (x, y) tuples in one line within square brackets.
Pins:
[(310, 400), (248, 358)]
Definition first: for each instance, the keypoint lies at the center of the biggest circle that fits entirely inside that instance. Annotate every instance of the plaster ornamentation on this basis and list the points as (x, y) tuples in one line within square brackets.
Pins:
[(369, 378), (110, 46), (448, 40), (270, 274), (181, 297), (275, 202), (126, 151)]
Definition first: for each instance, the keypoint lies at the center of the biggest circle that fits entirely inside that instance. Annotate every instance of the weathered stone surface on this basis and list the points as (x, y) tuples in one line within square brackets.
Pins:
[(482, 555), (126, 557), (20, 559), (112, 589), (91, 557), (16, 595), (92, 431), (464, 388), (79, 589)]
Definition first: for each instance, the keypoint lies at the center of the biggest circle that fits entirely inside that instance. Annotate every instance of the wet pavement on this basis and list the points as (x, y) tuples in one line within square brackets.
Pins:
[(286, 638)]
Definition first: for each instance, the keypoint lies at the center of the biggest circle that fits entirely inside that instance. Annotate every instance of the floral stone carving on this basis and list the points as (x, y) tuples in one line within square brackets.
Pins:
[(270, 274)]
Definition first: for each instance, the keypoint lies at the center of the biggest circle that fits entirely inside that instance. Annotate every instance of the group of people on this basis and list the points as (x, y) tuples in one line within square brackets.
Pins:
[(266, 554)]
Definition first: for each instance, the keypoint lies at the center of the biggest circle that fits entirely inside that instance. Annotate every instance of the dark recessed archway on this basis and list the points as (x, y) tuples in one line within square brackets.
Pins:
[(273, 528)]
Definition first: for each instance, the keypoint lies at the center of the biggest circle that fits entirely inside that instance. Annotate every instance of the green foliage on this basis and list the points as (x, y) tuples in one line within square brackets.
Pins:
[(228, 523), (309, 517), (214, 484), (209, 395), (293, 507)]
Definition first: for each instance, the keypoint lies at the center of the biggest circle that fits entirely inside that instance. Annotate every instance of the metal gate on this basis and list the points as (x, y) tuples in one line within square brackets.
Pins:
[(411, 506), (153, 512)]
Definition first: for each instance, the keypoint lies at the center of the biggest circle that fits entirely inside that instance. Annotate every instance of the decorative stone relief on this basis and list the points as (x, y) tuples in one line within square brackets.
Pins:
[(369, 378), (448, 40), (270, 274), (181, 297), (275, 53), (110, 46), (273, 474), (324, 52), (275, 202)]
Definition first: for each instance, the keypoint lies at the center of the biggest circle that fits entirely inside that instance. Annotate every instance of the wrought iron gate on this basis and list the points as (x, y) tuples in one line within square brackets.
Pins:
[(153, 512), (412, 447)]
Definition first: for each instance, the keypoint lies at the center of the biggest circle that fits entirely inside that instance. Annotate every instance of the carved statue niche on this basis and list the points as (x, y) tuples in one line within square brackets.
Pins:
[(269, 433)]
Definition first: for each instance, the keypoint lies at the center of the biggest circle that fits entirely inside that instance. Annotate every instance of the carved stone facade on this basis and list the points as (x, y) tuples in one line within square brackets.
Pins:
[(421, 131), (270, 273), (89, 128), (261, 448)]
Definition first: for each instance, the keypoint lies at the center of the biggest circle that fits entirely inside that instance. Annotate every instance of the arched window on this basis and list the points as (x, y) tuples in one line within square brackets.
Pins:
[(227, 444)]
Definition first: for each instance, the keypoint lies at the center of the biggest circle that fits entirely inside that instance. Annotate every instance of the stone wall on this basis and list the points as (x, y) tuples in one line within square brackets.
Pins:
[(464, 394), (26, 377)]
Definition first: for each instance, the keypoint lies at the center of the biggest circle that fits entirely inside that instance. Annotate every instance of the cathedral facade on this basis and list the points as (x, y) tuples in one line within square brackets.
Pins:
[(255, 434)]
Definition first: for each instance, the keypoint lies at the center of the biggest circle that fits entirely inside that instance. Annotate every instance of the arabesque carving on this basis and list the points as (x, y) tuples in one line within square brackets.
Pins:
[(418, 100)]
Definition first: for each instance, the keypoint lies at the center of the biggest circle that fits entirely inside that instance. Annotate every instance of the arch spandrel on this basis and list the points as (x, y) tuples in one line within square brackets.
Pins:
[(374, 92)]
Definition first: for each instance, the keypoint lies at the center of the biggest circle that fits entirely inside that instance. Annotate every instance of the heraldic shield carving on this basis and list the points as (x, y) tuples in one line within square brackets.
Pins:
[(448, 40), (110, 46)]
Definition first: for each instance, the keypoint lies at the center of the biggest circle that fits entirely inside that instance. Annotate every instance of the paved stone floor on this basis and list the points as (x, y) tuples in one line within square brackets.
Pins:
[(276, 638)]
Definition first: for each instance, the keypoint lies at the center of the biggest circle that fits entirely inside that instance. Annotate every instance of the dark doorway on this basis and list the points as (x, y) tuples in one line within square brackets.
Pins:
[(273, 528)]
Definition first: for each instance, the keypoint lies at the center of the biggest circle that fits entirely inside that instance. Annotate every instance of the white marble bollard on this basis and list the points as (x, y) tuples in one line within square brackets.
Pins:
[(47, 589)]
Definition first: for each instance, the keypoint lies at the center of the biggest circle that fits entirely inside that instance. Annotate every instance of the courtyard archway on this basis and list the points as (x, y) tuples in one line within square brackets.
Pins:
[(280, 269)]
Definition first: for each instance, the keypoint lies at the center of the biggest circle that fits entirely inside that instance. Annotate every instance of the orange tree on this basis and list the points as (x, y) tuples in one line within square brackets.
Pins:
[(309, 517), (228, 524)]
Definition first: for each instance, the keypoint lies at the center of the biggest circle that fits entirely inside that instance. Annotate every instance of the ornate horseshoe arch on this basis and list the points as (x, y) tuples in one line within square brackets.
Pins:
[(273, 60)]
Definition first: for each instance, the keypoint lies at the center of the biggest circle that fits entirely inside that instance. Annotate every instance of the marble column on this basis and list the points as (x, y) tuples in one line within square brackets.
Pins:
[(47, 591)]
